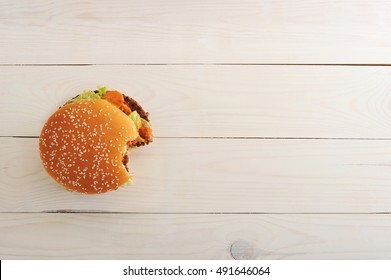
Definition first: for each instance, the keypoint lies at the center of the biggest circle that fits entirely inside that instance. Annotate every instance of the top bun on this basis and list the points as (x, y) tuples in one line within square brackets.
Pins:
[(82, 146)]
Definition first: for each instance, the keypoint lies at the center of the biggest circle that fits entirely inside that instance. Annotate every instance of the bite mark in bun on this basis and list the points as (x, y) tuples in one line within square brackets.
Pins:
[(84, 144)]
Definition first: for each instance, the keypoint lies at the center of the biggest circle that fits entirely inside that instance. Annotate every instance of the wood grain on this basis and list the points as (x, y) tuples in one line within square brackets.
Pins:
[(126, 236), (250, 161), (174, 31), (214, 101), (216, 175)]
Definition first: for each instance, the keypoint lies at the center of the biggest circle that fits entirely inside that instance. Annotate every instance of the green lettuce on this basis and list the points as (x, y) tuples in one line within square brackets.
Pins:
[(102, 91), (127, 183), (89, 94), (135, 117), (146, 123)]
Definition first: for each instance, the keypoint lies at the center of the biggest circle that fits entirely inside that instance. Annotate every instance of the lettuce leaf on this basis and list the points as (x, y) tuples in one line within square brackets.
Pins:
[(102, 91), (128, 183), (89, 94), (135, 117)]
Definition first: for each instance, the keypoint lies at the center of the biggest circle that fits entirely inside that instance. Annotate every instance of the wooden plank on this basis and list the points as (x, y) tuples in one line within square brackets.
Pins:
[(174, 31), (216, 175), (126, 236), (214, 101)]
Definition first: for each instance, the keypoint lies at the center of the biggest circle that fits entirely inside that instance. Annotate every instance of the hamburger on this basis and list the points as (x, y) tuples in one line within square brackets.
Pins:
[(84, 145)]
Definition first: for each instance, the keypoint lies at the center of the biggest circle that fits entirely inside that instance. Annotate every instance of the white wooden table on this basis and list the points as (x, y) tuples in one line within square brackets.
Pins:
[(272, 122)]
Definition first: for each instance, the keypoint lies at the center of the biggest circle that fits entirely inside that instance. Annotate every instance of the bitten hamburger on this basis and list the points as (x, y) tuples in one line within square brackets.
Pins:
[(84, 144)]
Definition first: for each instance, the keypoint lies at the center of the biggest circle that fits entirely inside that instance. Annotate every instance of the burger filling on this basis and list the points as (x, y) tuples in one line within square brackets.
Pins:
[(131, 108), (127, 105)]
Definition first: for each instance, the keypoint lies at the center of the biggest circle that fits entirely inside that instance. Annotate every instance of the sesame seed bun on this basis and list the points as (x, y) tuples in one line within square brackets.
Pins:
[(82, 146)]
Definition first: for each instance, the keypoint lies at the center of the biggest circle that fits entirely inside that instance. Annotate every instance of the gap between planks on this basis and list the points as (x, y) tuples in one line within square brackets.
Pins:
[(239, 138), (196, 64), (69, 211)]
